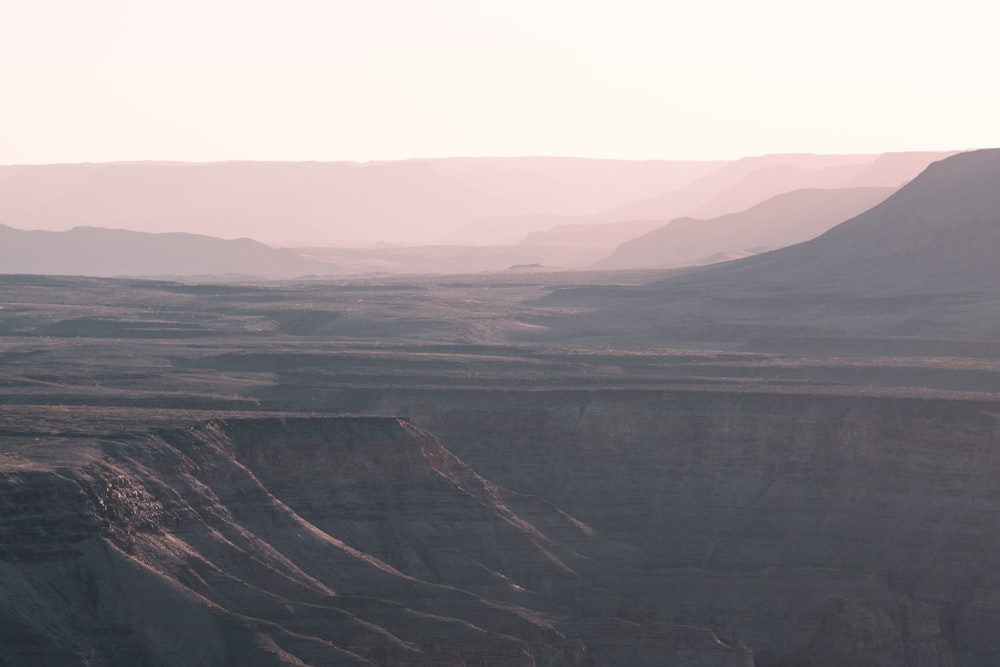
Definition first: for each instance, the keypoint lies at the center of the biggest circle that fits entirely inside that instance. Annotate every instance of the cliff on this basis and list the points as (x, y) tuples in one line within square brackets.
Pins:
[(286, 541), (818, 529)]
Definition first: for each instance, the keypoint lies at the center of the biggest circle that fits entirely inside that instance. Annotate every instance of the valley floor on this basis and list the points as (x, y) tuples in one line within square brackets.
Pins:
[(488, 470)]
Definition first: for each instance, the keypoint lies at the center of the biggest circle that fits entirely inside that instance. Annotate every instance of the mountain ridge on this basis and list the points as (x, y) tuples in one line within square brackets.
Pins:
[(936, 232), (100, 251), (736, 186), (782, 220), (390, 201), (918, 266)]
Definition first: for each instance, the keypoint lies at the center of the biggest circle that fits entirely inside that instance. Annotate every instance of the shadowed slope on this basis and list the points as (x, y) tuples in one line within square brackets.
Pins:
[(789, 218), (939, 233), (171, 535), (284, 541), (920, 264)]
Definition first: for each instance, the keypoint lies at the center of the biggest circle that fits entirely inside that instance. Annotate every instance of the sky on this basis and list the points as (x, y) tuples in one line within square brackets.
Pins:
[(360, 80)]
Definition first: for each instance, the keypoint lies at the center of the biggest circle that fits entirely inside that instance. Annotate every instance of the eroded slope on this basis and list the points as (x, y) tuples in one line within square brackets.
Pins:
[(291, 541)]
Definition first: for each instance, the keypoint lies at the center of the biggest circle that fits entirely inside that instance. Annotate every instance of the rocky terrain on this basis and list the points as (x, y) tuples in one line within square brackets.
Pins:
[(214, 543), (691, 468)]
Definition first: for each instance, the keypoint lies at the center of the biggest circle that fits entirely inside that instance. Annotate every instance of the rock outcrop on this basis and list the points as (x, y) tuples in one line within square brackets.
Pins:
[(274, 541), (817, 529)]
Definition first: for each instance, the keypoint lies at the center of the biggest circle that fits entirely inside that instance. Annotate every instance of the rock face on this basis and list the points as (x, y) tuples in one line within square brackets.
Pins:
[(755, 528), (274, 541), (817, 530)]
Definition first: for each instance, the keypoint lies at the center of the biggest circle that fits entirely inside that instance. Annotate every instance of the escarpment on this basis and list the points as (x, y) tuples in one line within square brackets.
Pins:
[(577, 510), (287, 540), (177, 516), (786, 461), (821, 529)]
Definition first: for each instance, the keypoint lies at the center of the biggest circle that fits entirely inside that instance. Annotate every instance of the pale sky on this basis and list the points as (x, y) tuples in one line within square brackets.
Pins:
[(200, 80)]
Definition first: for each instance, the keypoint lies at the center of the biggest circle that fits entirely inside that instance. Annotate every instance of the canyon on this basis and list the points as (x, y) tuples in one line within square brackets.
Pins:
[(784, 461), (211, 221)]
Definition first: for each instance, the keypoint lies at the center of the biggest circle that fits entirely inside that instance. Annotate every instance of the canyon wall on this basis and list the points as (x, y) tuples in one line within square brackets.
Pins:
[(289, 541), (817, 529)]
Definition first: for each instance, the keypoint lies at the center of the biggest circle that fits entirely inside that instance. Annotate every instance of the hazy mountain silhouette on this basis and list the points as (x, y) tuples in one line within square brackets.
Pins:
[(95, 251), (782, 220), (412, 201), (733, 188), (920, 266), (774, 179), (937, 234), (896, 169), (564, 186)]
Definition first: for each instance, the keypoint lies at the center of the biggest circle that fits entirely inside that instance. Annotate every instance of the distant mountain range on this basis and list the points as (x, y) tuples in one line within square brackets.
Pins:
[(169, 219), (731, 189), (919, 266), (938, 234), (403, 202), (94, 251), (780, 221)]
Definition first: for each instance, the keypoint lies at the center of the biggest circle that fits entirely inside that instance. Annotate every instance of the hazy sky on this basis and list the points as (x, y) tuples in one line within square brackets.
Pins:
[(99, 80)]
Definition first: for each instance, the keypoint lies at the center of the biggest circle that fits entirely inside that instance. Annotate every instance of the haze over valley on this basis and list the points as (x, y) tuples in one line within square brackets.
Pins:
[(482, 334), (783, 460), (430, 216)]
